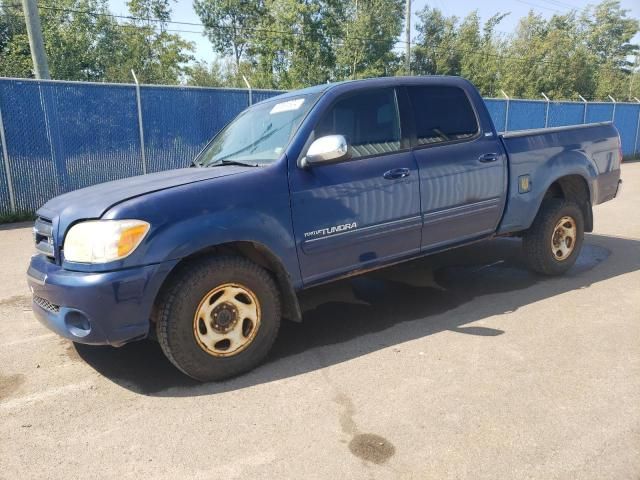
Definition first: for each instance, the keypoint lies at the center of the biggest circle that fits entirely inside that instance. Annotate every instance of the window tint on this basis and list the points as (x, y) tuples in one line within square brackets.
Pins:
[(368, 120), (442, 114)]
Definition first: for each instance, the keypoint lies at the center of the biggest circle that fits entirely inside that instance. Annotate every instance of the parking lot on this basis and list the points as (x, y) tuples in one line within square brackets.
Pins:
[(461, 365)]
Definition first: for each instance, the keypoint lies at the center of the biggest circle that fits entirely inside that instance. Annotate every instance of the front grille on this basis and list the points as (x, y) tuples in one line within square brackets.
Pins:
[(43, 236), (46, 304)]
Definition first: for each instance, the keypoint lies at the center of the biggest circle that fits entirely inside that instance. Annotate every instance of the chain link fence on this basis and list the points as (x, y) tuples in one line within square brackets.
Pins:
[(60, 136), (517, 114)]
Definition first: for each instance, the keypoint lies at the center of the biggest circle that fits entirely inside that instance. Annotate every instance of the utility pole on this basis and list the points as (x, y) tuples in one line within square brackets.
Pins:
[(407, 38), (34, 30), (634, 72)]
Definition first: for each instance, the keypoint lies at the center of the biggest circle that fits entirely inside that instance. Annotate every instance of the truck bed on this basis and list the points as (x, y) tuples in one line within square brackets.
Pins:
[(541, 153)]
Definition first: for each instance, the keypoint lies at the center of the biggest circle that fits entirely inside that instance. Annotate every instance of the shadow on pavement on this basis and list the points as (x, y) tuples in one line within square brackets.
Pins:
[(380, 309)]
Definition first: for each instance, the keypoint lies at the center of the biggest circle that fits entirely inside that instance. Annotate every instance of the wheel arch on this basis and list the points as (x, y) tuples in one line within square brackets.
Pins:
[(573, 188), (257, 253)]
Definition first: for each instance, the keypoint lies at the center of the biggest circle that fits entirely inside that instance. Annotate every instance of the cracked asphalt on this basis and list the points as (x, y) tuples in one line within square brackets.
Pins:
[(461, 365)]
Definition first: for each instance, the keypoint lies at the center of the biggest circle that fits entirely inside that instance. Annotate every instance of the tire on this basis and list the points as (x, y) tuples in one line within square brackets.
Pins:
[(542, 254), (190, 338)]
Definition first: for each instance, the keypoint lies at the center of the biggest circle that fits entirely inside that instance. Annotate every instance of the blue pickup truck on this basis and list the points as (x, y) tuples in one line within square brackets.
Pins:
[(302, 189)]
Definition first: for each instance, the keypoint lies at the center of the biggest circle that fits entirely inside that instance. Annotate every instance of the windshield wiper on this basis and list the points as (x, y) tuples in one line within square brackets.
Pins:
[(232, 162)]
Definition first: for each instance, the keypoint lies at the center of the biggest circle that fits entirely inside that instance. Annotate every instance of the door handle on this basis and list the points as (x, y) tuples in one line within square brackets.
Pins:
[(488, 157), (396, 173)]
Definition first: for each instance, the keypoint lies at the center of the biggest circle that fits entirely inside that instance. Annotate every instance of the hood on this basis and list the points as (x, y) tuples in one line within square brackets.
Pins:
[(93, 202)]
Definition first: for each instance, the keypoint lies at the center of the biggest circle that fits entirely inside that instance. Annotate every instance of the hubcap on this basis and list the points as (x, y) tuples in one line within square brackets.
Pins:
[(227, 320), (563, 240)]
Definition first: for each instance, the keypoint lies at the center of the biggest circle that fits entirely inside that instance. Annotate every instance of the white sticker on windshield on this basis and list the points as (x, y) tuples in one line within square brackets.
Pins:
[(287, 106)]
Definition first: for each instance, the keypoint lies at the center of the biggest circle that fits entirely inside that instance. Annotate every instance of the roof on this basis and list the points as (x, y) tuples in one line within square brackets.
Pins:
[(380, 81)]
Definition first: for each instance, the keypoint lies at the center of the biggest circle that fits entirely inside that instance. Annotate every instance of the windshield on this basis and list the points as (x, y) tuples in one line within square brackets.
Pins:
[(258, 135)]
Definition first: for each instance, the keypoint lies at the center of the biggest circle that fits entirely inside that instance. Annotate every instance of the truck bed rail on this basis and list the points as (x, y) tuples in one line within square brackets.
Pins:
[(537, 131)]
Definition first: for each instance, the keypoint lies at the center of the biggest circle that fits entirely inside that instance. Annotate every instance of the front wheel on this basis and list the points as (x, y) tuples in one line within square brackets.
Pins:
[(218, 318), (553, 242)]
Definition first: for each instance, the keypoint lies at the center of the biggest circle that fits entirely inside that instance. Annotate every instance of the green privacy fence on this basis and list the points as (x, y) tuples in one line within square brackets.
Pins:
[(60, 136)]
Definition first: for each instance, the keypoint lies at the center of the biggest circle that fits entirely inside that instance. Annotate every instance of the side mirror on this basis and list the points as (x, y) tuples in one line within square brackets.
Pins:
[(328, 149)]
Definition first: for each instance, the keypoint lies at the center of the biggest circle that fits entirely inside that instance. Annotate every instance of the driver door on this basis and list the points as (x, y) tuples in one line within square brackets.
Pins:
[(365, 210)]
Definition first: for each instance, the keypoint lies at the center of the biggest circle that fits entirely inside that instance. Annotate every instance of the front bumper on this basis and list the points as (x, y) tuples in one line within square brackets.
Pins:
[(107, 308)]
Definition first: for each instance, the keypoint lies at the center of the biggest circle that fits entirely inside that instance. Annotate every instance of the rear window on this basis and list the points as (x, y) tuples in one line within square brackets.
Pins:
[(442, 114)]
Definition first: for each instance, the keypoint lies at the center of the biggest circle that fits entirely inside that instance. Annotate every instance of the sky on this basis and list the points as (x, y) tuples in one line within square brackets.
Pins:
[(183, 11)]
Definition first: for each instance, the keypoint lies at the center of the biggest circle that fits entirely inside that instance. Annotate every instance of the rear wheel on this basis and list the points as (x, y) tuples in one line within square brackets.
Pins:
[(553, 242), (218, 318)]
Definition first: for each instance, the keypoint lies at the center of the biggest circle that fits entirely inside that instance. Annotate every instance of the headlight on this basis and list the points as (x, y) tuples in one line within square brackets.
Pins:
[(101, 241)]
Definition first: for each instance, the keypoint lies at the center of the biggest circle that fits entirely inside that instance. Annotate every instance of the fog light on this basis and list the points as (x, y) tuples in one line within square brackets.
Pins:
[(77, 323)]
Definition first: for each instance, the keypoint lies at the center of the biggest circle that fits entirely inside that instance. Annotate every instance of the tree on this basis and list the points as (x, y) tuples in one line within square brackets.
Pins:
[(203, 74), (294, 46), (294, 43), (146, 47), (548, 56), (369, 35), (480, 52), (79, 38), (84, 42), (435, 52), (566, 55), (608, 32), (468, 48), (230, 24), (77, 43), (15, 57)]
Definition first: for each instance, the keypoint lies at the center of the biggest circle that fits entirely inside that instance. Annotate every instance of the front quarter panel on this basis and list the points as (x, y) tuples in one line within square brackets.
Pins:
[(251, 206)]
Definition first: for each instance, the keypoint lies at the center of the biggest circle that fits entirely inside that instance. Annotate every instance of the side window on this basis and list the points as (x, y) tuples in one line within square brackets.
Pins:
[(368, 120), (442, 114)]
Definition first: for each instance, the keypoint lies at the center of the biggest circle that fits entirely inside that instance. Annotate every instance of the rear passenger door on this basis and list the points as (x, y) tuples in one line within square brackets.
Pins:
[(462, 166), (365, 210)]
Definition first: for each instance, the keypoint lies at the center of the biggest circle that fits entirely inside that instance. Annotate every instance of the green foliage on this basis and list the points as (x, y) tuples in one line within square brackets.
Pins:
[(294, 43), (147, 48), (83, 42), (78, 44), (583, 53), (294, 46), (15, 59), (549, 56), (230, 24), (202, 74), (368, 38), (435, 52), (289, 44)]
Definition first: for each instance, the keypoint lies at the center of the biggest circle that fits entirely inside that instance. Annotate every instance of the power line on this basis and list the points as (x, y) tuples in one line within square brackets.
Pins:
[(561, 4), (338, 43), (195, 24), (531, 4)]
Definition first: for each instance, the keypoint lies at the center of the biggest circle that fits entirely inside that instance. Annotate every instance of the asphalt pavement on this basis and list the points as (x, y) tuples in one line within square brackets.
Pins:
[(461, 365)]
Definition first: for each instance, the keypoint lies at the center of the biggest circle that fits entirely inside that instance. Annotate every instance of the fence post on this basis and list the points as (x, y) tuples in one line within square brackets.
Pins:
[(506, 113), (586, 104), (140, 124), (613, 114), (7, 166), (546, 111), (635, 142), (246, 82)]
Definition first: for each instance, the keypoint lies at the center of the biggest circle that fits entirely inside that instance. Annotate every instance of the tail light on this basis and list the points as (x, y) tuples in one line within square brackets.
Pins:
[(620, 149)]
